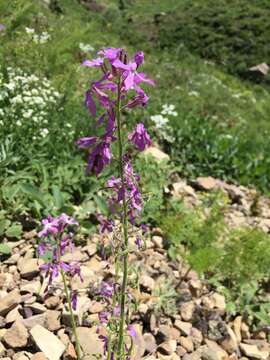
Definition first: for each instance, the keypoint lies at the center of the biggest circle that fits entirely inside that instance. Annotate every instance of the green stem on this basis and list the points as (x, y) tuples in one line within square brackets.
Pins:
[(125, 229), (73, 322)]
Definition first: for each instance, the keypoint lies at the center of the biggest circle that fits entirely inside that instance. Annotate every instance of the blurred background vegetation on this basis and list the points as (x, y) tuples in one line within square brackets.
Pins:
[(209, 112)]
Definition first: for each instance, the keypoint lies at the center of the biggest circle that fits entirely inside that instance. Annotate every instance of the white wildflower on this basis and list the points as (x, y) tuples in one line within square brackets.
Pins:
[(86, 47), (29, 30)]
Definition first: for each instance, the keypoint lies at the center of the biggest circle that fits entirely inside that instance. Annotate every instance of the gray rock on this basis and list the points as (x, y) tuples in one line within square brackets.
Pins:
[(9, 302), (253, 352), (150, 343), (29, 268), (90, 343), (47, 342), (16, 336)]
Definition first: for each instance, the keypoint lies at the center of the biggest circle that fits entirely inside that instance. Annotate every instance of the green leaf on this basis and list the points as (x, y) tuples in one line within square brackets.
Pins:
[(58, 197), (3, 225), (101, 203), (5, 249), (34, 193), (15, 230)]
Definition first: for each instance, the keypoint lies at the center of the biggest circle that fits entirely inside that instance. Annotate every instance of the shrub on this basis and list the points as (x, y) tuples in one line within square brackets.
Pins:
[(234, 34)]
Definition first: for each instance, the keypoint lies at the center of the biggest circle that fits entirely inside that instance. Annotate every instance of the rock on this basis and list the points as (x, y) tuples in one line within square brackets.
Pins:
[(180, 351), (196, 336), (167, 347), (2, 349), (37, 308), (215, 301), (245, 331), (214, 351), (187, 343), (90, 343), (53, 320), (52, 302), (147, 282), (205, 183), (252, 351), (156, 153), (195, 287), (138, 342), (29, 268), (14, 315), (91, 249), (32, 287), (166, 332), (83, 304), (77, 256), (9, 302), (70, 353), (96, 307), (229, 343), (184, 327), (150, 343), (237, 328), (39, 356), (186, 310), (157, 241), (42, 338), (16, 336), (261, 69), (34, 320)]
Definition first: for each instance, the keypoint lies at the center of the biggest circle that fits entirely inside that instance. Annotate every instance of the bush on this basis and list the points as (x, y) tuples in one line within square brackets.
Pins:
[(234, 34), (236, 262)]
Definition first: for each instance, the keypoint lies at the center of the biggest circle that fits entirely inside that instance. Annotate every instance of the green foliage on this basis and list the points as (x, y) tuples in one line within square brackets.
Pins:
[(154, 178), (234, 34), (165, 297), (195, 233), (236, 261)]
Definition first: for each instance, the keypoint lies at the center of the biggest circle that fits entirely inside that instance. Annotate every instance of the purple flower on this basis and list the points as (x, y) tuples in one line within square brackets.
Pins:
[(104, 317), (116, 311), (2, 27), (110, 53), (131, 331), (139, 58), (89, 103), (105, 224), (140, 137), (53, 226), (74, 300), (138, 241), (50, 227), (93, 63), (74, 269), (106, 290), (99, 158), (85, 142)]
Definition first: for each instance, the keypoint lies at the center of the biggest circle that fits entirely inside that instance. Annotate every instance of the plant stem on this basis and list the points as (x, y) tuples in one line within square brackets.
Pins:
[(73, 322), (125, 228)]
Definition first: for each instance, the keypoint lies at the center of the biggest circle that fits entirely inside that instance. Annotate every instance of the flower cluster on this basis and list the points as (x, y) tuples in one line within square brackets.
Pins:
[(57, 240), (161, 124), (86, 48), (119, 76), (118, 89), (42, 38), (26, 102)]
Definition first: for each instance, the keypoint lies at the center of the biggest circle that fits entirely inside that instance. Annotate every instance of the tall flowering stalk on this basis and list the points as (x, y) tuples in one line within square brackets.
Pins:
[(118, 89), (57, 239)]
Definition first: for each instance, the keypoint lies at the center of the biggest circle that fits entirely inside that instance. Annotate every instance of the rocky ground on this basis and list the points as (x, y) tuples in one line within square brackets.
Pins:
[(35, 325)]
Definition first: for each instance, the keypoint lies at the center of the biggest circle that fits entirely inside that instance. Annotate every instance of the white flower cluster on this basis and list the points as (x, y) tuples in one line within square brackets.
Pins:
[(86, 48), (169, 110), (38, 38), (26, 102), (161, 122)]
